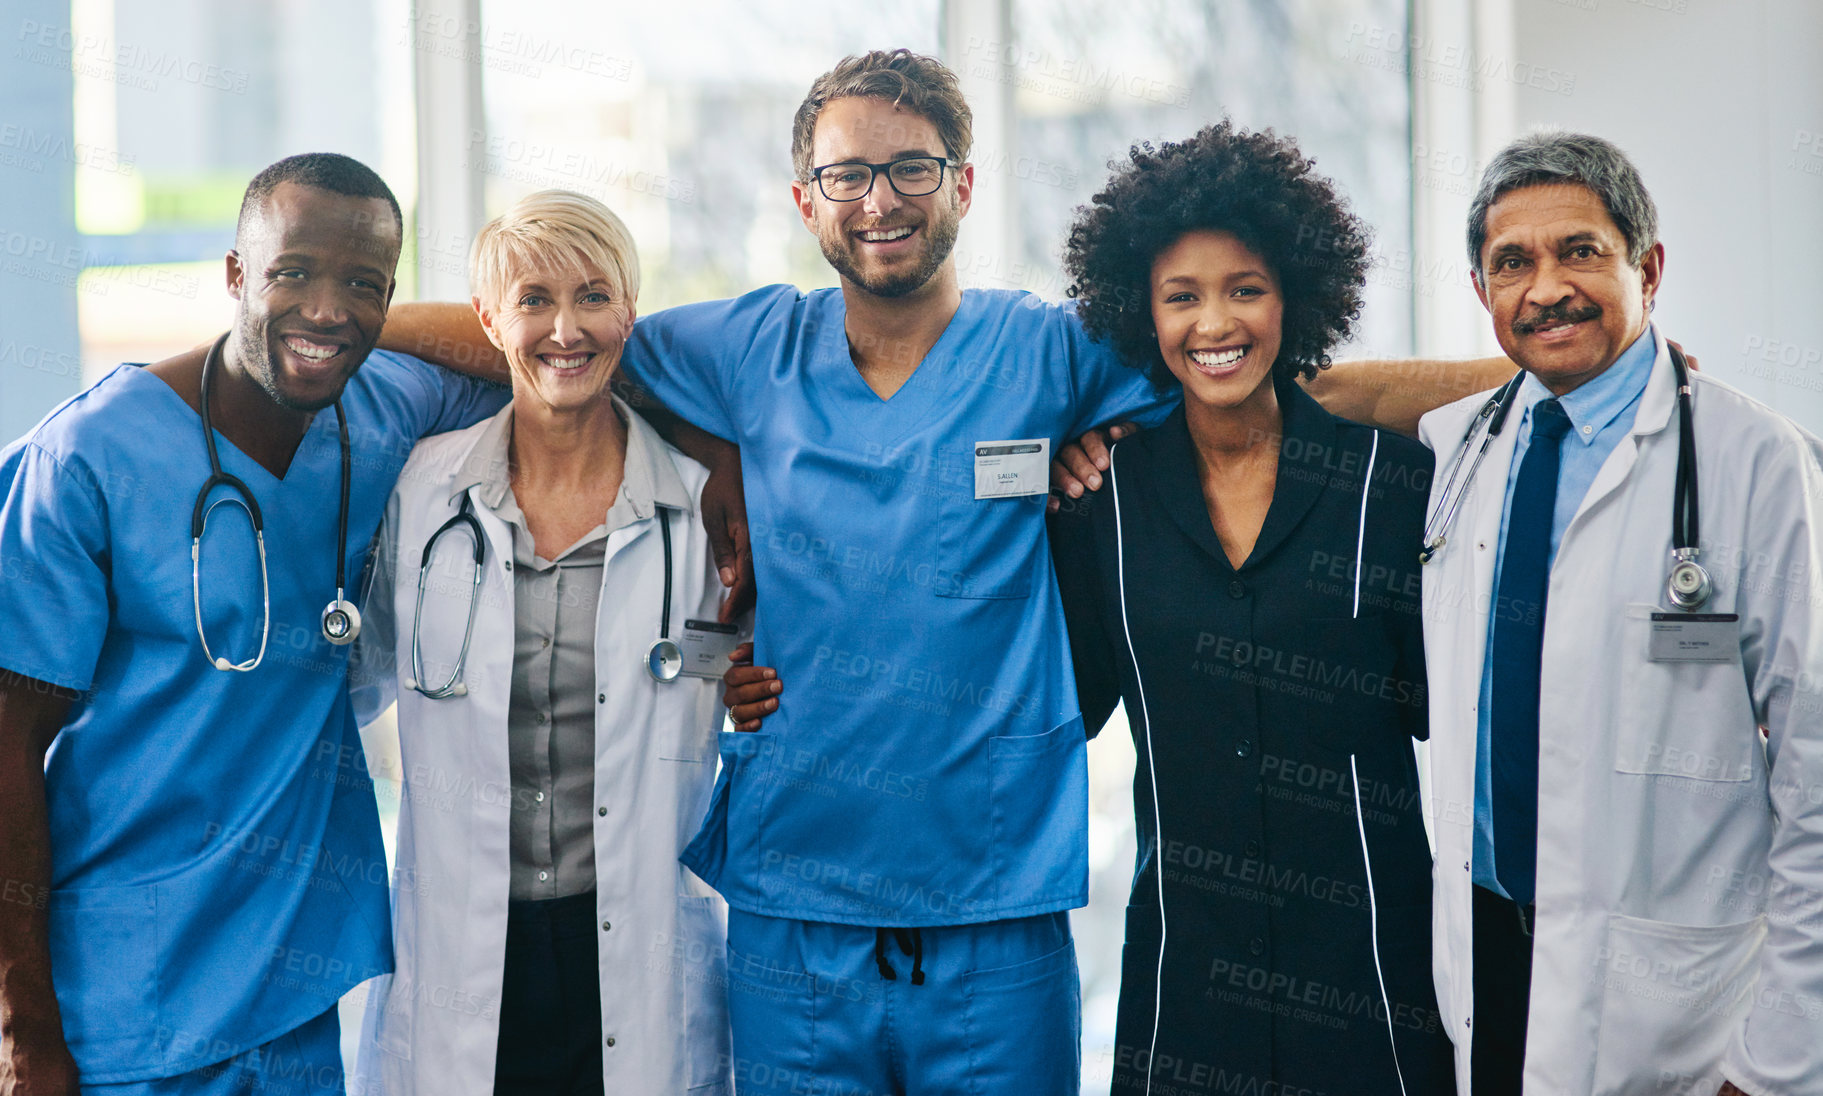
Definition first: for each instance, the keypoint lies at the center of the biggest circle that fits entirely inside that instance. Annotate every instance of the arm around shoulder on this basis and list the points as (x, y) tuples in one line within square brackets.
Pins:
[(1395, 393), (447, 333)]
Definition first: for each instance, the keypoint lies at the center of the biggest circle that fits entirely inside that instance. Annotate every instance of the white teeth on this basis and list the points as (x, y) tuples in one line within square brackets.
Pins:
[(316, 352), (568, 362), (885, 234), (1212, 359)]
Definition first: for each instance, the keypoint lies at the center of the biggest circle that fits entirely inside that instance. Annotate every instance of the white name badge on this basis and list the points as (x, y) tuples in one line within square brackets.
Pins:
[(706, 645), (1007, 469), (1695, 637)]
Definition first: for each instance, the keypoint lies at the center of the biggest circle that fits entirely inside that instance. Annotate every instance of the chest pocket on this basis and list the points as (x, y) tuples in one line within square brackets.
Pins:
[(986, 548), (1689, 719)]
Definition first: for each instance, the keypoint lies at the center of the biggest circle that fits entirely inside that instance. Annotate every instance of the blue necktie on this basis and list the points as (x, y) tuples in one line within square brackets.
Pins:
[(1519, 614)]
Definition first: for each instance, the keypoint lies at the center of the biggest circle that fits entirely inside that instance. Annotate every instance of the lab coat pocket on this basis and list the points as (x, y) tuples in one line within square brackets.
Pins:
[(699, 968), (989, 548), (1671, 996), (689, 715), (104, 943), (388, 1024), (395, 1022), (1039, 798), (1689, 719)]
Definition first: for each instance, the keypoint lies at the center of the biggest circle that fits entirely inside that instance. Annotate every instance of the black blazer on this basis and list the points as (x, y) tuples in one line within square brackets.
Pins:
[(1273, 707)]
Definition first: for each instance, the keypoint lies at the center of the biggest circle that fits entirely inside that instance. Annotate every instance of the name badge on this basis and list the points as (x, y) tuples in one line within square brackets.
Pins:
[(1695, 637), (706, 645), (1008, 469)]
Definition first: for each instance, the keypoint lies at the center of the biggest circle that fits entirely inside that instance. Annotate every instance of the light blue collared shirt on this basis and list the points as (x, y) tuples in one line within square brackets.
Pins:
[(1601, 413)]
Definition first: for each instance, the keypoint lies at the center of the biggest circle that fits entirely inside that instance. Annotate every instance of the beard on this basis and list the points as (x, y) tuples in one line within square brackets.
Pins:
[(253, 345), (939, 240)]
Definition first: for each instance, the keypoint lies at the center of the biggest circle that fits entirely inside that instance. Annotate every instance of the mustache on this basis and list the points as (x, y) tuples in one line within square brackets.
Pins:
[(1553, 315)]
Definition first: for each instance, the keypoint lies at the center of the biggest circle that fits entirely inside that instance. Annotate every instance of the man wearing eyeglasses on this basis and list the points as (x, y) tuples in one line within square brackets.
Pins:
[(901, 844), (900, 847)]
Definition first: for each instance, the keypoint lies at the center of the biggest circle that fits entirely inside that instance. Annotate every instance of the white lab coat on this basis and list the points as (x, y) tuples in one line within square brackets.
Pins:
[(1680, 854), (433, 1025)]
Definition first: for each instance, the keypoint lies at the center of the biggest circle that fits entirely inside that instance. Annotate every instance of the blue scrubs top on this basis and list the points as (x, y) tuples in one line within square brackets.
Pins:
[(927, 764), (217, 874)]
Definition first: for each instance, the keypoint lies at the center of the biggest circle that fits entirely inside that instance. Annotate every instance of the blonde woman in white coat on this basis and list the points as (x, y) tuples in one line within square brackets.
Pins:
[(546, 938)]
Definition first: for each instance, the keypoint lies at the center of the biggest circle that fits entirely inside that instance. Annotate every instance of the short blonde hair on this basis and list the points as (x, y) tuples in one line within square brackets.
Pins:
[(553, 230)]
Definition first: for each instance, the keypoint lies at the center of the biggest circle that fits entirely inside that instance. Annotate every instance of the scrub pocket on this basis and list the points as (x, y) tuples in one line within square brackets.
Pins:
[(737, 807), (1671, 997), (773, 1011), (104, 941), (1040, 801), (1658, 734), (990, 548), (1023, 1025)]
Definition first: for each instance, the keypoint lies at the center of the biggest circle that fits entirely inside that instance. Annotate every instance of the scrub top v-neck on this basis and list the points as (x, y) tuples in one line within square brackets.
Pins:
[(929, 766), (217, 873)]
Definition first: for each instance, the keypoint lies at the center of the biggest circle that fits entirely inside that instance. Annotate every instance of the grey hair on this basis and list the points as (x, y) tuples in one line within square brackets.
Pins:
[(1541, 159)]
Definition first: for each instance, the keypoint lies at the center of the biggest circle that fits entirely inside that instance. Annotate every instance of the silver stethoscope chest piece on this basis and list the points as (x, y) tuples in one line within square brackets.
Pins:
[(665, 661), (341, 621), (1689, 585)]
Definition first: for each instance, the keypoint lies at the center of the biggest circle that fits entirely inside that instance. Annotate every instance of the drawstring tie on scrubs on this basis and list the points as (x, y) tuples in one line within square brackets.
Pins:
[(911, 942)]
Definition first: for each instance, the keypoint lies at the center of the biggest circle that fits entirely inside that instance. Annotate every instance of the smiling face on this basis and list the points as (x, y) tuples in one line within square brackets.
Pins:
[(1218, 312), (562, 332), (313, 274), (1555, 277), (884, 243)]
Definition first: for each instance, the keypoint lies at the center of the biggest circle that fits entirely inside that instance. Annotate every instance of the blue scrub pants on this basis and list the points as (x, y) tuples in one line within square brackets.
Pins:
[(840, 1010), (306, 1061)]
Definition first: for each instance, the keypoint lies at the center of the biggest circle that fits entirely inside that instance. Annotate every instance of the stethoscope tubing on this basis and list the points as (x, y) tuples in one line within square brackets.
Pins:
[(1494, 413), (454, 685), (1685, 530), (350, 620), (664, 660)]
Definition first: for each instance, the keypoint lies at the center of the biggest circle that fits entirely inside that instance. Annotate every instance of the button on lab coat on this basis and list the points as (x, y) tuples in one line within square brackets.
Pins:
[(433, 1026), (1680, 852)]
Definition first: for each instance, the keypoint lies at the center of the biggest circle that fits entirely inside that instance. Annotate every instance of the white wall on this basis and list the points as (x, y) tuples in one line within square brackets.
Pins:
[(1720, 103)]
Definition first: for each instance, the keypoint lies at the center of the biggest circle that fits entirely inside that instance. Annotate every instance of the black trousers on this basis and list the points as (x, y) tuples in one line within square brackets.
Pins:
[(1503, 986), (550, 1002)]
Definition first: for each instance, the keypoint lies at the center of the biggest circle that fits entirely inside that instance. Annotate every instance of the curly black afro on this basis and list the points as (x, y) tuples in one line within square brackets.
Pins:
[(1258, 187)]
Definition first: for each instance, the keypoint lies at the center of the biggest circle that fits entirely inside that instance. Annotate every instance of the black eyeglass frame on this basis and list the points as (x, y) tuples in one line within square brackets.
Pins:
[(874, 171)]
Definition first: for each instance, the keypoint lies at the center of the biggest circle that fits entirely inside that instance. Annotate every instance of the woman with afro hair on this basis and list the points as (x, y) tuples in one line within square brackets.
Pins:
[(1246, 580)]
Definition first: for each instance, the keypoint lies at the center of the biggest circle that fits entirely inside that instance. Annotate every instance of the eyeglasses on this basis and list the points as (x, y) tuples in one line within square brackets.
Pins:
[(910, 177)]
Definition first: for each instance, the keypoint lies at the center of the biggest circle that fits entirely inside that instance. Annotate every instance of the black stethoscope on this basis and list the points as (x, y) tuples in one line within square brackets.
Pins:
[(341, 621), (664, 660), (1688, 585)]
